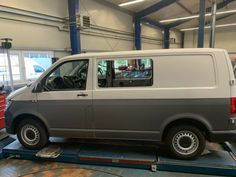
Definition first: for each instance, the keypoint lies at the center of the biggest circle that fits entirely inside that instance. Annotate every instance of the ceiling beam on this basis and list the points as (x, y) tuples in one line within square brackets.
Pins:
[(219, 6), (152, 23), (154, 8), (218, 19), (183, 7), (176, 23), (226, 16)]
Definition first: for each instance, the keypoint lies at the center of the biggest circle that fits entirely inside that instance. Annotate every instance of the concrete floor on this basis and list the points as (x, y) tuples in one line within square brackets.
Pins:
[(26, 168)]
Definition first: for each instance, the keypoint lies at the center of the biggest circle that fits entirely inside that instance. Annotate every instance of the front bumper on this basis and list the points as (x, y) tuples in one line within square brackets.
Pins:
[(8, 122)]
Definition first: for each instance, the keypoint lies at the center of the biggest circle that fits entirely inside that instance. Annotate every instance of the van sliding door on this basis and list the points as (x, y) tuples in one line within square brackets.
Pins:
[(120, 107)]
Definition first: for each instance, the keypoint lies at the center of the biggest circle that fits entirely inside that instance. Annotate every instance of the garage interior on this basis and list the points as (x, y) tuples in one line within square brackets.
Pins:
[(36, 33)]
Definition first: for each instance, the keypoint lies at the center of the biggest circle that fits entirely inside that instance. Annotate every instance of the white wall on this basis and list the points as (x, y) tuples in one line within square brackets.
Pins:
[(225, 39), (52, 7), (34, 36), (176, 35), (101, 15), (154, 33), (43, 36)]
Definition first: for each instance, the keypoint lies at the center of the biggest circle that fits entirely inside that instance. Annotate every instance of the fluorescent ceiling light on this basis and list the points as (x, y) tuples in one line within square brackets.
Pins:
[(181, 18), (130, 2), (225, 12), (206, 27), (196, 16)]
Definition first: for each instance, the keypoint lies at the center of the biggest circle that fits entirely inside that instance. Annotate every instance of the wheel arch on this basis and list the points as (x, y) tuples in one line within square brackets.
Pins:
[(196, 121), (23, 116)]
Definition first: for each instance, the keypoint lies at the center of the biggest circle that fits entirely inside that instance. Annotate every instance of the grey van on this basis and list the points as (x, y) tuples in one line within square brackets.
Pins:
[(180, 97)]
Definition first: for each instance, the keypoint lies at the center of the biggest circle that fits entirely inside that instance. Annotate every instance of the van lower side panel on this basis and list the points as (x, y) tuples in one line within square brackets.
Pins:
[(145, 119), (123, 119)]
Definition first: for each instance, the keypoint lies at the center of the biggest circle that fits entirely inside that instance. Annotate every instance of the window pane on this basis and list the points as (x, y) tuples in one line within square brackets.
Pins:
[(36, 64), (125, 72), (102, 72), (4, 70), (68, 76)]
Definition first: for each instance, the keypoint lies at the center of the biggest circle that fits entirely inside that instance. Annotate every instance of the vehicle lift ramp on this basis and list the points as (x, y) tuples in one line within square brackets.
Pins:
[(221, 161)]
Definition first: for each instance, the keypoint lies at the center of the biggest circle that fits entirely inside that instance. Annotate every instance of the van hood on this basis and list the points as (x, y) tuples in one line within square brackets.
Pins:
[(16, 92)]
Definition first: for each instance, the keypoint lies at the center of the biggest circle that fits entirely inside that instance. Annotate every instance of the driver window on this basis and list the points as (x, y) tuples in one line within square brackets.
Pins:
[(71, 75)]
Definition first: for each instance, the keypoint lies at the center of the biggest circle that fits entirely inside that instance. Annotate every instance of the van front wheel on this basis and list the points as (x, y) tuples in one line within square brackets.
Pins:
[(185, 142), (32, 134)]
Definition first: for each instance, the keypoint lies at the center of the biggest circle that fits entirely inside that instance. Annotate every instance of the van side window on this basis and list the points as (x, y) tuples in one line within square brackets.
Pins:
[(71, 75), (125, 72)]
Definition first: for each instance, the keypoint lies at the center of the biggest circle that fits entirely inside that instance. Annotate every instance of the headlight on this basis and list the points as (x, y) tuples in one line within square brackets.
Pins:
[(8, 103)]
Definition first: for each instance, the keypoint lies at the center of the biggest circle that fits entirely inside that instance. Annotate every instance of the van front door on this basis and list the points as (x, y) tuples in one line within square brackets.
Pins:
[(66, 100)]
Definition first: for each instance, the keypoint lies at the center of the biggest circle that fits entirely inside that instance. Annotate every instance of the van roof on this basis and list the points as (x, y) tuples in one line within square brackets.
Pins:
[(143, 52)]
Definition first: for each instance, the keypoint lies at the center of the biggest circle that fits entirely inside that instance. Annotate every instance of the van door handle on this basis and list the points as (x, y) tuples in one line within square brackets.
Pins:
[(82, 94)]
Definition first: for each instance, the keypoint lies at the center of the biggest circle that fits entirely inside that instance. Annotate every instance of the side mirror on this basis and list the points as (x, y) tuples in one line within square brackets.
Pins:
[(38, 88)]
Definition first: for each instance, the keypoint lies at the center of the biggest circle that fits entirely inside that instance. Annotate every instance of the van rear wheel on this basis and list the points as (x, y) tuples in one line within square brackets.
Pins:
[(32, 134), (185, 142)]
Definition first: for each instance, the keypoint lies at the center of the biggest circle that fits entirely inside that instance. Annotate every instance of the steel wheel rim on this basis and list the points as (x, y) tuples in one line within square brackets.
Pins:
[(188, 135), (26, 129)]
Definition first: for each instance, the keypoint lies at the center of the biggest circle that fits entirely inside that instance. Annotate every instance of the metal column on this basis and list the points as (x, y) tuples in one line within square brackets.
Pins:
[(182, 36), (73, 6), (213, 25), (201, 24), (10, 69), (166, 42), (137, 27)]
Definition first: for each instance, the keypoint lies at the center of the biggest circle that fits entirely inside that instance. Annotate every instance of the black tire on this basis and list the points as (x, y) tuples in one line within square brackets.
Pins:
[(32, 134), (185, 142)]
